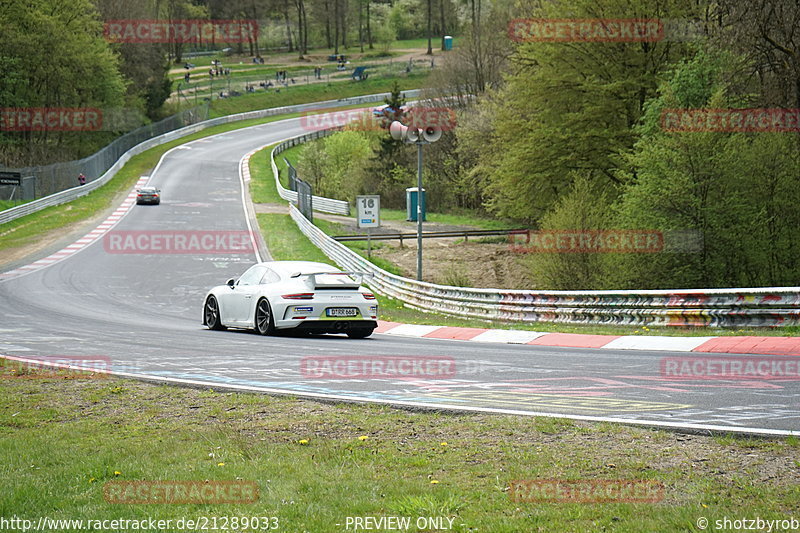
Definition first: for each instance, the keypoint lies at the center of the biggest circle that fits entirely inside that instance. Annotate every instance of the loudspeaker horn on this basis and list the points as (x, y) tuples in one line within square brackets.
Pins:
[(432, 134), (398, 131)]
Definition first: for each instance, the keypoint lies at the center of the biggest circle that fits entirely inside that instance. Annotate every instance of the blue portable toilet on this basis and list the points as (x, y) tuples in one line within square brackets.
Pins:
[(411, 204), (448, 43)]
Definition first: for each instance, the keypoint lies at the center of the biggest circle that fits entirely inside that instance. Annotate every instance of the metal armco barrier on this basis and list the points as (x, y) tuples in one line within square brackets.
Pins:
[(78, 191), (57, 177), (729, 308)]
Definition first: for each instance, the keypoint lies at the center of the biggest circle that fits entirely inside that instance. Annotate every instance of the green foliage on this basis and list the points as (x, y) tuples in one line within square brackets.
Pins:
[(583, 208), (567, 107), (336, 165), (53, 55), (407, 18), (738, 191), (395, 100)]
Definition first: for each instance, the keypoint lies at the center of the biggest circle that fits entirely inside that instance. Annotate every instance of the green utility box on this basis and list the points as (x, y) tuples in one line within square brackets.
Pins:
[(411, 204)]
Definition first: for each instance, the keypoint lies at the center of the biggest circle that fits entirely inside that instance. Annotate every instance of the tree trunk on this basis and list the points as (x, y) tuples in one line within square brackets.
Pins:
[(361, 24), (288, 25), (301, 51), (336, 27), (328, 24), (369, 30), (252, 39), (343, 17), (430, 7), (441, 20), (305, 26)]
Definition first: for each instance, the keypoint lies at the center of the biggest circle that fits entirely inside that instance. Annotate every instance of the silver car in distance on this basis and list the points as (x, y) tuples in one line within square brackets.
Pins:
[(298, 296)]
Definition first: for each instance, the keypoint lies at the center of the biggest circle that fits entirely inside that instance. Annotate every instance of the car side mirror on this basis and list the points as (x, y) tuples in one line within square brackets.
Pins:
[(230, 283)]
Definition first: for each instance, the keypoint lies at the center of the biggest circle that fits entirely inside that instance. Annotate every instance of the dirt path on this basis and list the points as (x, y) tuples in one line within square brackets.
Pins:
[(291, 60)]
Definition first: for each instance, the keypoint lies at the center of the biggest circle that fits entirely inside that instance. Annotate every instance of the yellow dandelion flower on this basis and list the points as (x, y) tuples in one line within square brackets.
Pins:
[(220, 464), (92, 480), (303, 441), (363, 438), (117, 473), (442, 444), (434, 481)]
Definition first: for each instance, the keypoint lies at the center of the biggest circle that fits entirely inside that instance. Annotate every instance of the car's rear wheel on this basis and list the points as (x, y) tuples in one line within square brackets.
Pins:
[(359, 333), (265, 325), (211, 314)]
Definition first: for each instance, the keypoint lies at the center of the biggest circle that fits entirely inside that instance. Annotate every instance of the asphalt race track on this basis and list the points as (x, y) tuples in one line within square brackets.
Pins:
[(143, 311)]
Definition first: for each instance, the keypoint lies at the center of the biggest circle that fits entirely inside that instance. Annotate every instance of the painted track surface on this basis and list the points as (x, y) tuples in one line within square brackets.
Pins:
[(143, 312)]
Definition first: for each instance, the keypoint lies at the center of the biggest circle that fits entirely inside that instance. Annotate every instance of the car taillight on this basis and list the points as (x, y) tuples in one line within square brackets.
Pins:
[(368, 295), (299, 296)]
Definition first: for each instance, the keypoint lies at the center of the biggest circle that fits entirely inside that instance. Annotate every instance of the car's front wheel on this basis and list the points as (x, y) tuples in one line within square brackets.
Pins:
[(265, 325), (211, 314), (360, 333)]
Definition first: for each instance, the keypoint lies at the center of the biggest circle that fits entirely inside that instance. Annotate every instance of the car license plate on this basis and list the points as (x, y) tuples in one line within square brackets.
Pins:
[(342, 311)]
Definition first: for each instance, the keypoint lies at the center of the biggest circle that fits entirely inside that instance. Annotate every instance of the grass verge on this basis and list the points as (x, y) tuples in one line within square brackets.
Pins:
[(315, 464)]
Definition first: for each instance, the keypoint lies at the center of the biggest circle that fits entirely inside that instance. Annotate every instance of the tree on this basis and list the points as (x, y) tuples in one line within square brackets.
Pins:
[(736, 191), (302, 28), (288, 25), (369, 28), (144, 65), (429, 32), (441, 21), (336, 166), (57, 58), (765, 32), (569, 107), (582, 208)]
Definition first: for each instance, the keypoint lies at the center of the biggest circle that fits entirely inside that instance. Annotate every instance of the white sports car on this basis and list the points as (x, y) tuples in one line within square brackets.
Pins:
[(295, 295)]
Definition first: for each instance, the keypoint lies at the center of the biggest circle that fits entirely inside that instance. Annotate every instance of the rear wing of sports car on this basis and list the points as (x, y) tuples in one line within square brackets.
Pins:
[(334, 280)]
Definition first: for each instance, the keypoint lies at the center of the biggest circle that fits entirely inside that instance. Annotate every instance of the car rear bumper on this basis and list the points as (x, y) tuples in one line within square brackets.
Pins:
[(334, 326)]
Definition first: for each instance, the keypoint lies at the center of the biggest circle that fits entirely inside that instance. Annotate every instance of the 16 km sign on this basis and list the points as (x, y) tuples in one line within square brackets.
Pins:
[(369, 208)]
